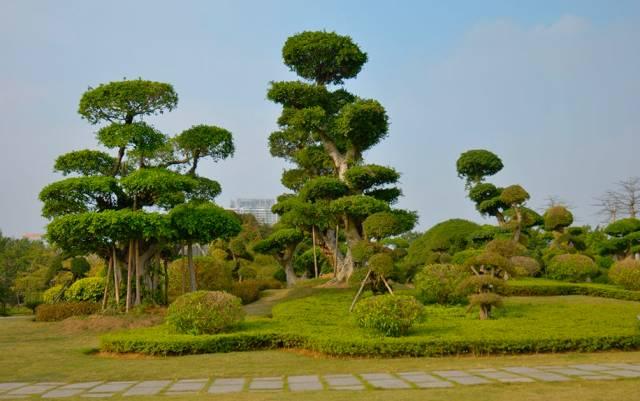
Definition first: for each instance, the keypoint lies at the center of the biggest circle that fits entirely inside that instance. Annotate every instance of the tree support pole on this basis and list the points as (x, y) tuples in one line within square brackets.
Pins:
[(315, 259), (364, 282)]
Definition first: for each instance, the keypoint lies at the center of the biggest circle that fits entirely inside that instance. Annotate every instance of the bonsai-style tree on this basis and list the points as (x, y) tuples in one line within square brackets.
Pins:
[(624, 238), (489, 271), (282, 244), (515, 196), (475, 165), (116, 206), (325, 131)]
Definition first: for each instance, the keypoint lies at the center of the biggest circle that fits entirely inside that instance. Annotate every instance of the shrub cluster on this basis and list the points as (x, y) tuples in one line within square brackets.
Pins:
[(540, 287), (204, 312), (86, 289), (440, 283), (53, 295), (525, 266), (247, 290), (572, 267), (390, 315), (63, 310), (626, 273)]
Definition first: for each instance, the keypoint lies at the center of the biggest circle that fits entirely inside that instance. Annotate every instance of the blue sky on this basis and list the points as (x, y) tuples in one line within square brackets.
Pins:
[(551, 86)]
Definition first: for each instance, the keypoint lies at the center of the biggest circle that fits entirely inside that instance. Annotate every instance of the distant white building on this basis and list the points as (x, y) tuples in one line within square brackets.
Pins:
[(260, 208)]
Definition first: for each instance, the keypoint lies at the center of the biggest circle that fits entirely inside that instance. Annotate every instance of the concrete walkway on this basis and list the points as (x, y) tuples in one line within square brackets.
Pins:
[(337, 382)]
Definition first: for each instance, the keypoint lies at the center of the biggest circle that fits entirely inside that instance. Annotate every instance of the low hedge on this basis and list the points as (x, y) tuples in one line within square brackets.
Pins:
[(158, 342), (543, 287), (63, 310)]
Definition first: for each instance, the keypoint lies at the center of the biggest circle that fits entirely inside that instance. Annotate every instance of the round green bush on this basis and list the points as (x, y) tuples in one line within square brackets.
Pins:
[(572, 267), (556, 218), (525, 266), (204, 312), (53, 295), (247, 272), (389, 315), (439, 283), (86, 289), (381, 263), (626, 273)]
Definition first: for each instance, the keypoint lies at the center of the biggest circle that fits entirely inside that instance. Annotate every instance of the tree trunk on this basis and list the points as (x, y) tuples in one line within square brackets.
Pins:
[(192, 270), (116, 277), (518, 229), (353, 237), (315, 258), (129, 276), (166, 282), (106, 284), (485, 311), (138, 274), (287, 262)]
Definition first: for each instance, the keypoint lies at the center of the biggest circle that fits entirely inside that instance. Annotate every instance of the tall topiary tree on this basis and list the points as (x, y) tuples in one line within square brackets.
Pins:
[(324, 131), (115, 206)]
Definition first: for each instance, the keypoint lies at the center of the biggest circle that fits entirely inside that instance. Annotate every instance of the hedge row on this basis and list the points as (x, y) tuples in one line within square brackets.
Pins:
[(541, 287), (63, 310), (155, 343)]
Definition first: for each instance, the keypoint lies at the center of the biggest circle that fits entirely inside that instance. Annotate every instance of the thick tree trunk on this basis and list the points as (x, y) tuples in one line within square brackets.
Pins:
[(287, 262), (518, 229), (192, 269), (353, 236)]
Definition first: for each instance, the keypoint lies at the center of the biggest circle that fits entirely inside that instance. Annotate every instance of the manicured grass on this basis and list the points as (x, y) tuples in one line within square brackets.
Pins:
[(322, 323)]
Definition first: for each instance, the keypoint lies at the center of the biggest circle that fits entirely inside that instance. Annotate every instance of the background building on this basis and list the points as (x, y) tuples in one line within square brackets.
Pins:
[(260, 208)]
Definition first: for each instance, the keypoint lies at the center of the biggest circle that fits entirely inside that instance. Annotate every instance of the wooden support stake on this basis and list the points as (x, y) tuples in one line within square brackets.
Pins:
[(315, 259), (364, 282)]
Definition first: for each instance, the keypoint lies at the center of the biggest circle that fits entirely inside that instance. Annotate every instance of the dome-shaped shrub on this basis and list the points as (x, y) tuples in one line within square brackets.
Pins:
[(626, 273), (204, 312), (557, 217), (439, 283), (53, 295), (381, 263), (86, 289), (389, 315), (525, 266), (572, 267)]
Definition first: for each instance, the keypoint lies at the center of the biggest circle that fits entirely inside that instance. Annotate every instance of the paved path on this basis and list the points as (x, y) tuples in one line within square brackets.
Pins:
[(339, 382)]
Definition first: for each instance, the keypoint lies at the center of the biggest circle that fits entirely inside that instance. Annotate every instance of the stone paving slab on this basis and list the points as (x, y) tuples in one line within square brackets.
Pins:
[(384, 380), (537, 374), (11, 386), (35, 389), (461, 377), (266, 383), (501, 376), (424, 380), (343, 382), (148, 387), (227, 385), (187, 386), (591, 367), (305, 383), (626, 366), (584, 374), (624, 373), (112, 387)]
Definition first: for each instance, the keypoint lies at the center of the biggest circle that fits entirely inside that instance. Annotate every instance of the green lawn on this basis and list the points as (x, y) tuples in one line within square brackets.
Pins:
[(321, 322)]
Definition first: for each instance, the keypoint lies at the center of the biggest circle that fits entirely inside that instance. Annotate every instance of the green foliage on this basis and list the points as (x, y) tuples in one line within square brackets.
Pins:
[(358, 206), (247, 290), (54, 294), (557, 218), (474, 165), (87, 289), (491, 263), (626, 273), (514, 195), (364, 177), (440, 283), (505, 247), (125, 100), (62, 310), (525, 266), (363, 122), (79, 194), (572, 267), (623, 227), (206, 141), (459, 258), (247, 272), (145, 139), (381, 264), (323, 188), (204, 312), (450, 236), (382, 225), (321, 323), (483, 192), (85, 162), (323, 57), (203, 221), (79, 267), (545, 287), (389, 315), (157, 185), (278, 241)]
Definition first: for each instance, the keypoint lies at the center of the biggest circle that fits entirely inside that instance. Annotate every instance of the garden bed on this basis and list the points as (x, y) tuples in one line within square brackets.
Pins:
[(322, 323)]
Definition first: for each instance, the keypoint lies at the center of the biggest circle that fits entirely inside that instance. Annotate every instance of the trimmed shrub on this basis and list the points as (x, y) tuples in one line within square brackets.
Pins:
[(248, 290), (63, 310), (204, 312), (439, 284), (525, 266), (506, 247), (460, 257), (86, 289), (247, 273), (626, 273), (389, 315), (572, 267), (53, 295), (544, 288)]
